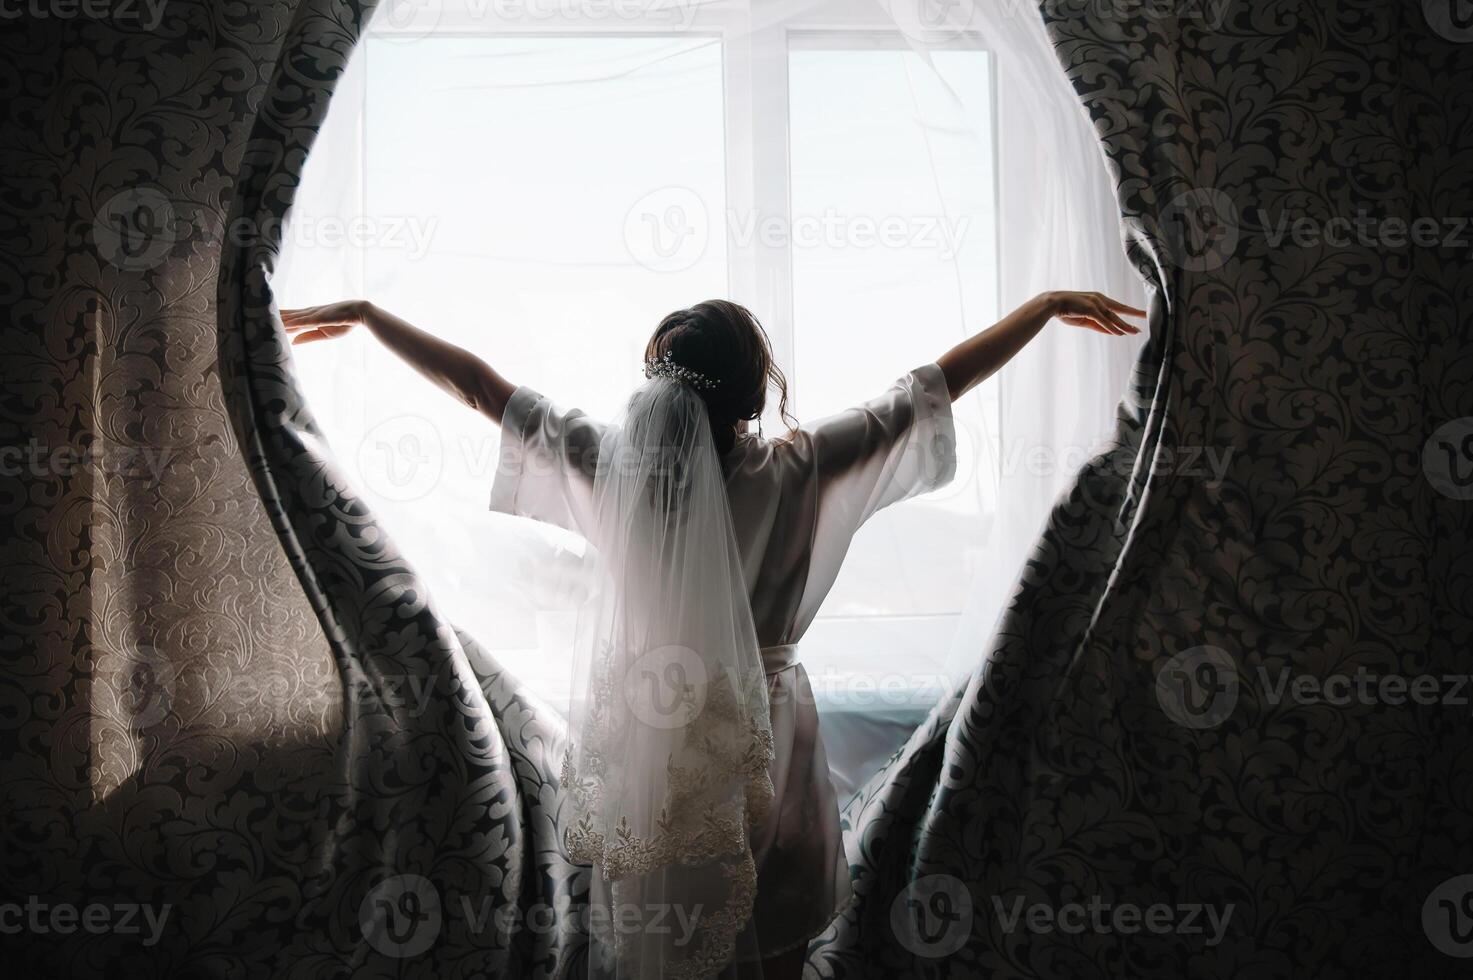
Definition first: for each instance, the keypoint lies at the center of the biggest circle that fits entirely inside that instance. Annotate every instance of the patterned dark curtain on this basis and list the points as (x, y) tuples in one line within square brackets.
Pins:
[(231, 722), (437, 854), (1129, 743)]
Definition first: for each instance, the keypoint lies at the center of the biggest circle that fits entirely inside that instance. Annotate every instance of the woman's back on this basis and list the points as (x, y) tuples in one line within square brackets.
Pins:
[(795, 503)]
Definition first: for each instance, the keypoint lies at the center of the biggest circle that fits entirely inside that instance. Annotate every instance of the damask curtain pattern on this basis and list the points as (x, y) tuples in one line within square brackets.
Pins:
[(180, 752), (438, 856), (165, 690), (1141, 779)]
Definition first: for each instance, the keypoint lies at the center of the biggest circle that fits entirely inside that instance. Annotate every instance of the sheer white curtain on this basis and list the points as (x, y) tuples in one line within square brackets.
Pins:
[(540, 183)]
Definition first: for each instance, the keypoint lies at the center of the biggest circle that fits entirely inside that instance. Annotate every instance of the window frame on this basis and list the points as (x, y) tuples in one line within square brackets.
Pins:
[(755, 53)]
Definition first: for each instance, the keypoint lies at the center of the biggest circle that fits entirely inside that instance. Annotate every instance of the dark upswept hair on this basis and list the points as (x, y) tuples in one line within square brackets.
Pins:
[(724, 342)]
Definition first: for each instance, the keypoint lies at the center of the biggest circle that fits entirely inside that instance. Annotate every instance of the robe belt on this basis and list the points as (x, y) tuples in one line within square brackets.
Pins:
[(779, 658)]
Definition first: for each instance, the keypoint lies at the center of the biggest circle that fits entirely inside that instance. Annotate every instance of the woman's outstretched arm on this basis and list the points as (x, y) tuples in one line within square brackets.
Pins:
[(457, 371), (973, 360)]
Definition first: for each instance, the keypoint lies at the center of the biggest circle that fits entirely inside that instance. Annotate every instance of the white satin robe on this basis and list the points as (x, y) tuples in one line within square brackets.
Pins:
[(795, 505)]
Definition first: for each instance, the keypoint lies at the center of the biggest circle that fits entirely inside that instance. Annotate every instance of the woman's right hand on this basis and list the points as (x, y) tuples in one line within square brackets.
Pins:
[(325, 322)]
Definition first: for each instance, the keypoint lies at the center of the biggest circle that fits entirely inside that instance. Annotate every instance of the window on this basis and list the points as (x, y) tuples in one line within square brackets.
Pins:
[(541, 187)]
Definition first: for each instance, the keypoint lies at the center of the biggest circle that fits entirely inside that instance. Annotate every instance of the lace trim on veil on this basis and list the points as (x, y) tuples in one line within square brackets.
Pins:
[(688, 830)]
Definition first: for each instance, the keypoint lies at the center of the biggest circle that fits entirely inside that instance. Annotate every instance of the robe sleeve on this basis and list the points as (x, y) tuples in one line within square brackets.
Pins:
[(897, 445), (547, 462)]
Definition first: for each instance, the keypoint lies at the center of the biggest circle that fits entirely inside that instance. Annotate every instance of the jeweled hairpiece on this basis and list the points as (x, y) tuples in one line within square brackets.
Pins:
[(665, 367)]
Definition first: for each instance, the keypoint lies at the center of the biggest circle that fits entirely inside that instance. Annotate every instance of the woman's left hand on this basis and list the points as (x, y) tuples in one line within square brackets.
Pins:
[(1093, 311)]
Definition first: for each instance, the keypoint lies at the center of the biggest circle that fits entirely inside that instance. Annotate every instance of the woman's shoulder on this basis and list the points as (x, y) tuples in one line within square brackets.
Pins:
[(782, 454)]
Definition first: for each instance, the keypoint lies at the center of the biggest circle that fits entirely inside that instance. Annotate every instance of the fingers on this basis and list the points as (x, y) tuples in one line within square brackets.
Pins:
[(308, 317), (307, 335), (1089, 323), (1105, 310), (327, 321), (1115, 304), (1114, 320)]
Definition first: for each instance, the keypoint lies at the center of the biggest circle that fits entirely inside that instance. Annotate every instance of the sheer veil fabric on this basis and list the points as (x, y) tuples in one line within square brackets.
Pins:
[(670, 734)]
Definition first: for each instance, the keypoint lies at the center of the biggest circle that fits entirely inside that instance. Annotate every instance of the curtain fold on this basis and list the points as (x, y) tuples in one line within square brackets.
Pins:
[(1126, 741), (437, 853)]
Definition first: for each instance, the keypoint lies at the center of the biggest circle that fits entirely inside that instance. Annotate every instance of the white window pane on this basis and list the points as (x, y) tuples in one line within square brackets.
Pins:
[(892, 161), (561, 188)]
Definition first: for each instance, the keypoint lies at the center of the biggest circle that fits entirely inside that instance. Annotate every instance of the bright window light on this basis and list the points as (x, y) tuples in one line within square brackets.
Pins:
[(892, 180), (543, 199)]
